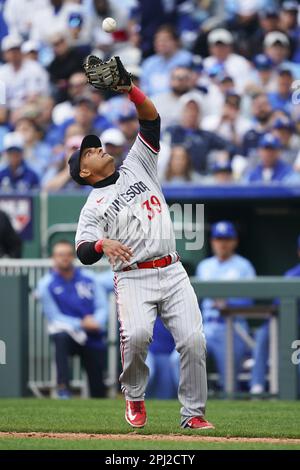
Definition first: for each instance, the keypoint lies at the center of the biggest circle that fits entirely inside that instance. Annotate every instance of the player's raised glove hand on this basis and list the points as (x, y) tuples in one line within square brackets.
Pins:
[(115, 250), (108, 75)]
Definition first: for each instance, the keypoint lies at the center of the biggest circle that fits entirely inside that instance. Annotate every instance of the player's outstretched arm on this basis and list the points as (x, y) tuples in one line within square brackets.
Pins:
[(144, 106)]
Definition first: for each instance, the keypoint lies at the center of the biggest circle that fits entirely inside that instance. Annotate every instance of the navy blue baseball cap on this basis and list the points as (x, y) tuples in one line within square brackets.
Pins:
[(90, 141), (269, 141), (262, 62), (223, 229), (284, 123)]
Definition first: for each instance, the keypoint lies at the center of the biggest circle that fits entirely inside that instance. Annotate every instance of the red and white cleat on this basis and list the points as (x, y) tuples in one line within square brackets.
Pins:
[(198, 422), (135, 413)]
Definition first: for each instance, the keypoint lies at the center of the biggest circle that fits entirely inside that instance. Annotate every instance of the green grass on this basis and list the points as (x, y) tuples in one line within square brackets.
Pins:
[(232, 419)]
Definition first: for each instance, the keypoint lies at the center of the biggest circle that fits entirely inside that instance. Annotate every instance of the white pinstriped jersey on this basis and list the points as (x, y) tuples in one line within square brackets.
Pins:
[(133, 210)]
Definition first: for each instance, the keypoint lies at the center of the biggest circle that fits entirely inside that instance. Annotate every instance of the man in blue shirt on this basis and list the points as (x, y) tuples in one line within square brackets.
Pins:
[(271, 168), (75, 304), (225, 264), (261, 350), (17, 175), (156, 69)]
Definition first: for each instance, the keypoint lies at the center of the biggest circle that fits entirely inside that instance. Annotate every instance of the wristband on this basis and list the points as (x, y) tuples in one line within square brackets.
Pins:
[(99, 246), (137, 96)]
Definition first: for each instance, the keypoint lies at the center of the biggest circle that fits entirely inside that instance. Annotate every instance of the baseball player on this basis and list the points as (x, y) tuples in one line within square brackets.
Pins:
[(126, 218)]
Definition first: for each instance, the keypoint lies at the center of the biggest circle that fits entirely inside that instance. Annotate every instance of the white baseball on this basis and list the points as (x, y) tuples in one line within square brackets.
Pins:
[(109, 25)]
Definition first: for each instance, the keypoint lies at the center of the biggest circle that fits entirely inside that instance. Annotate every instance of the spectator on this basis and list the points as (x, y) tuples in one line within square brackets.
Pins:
[(272, 168), (52, 17), (114, 142), (163, 364), (221, 173), (268, 22), (221, 49), (58, 177), (129, 126), (76, 88), (16, 175), (30, 50), (199, 143), (86, 116), (36, 152), (180, 169), (22, 78), (66, 62), (264, 77), (76, 308), (284, 129), (244, 25), (277, 48), (231, 125), (19, 15), (261, 113), (10, 242), (261, 350), (225, 264), (157, 68), (168, 103), (289, 24), (281, 98)]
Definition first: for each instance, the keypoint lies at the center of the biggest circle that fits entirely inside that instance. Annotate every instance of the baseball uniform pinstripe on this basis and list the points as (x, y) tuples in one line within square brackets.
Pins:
[(133, 210)]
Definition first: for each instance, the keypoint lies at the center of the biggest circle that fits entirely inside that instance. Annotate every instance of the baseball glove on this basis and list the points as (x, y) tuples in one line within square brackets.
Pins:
[(108, 75)]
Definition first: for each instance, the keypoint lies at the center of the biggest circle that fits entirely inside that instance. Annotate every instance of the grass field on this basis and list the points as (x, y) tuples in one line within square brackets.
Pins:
[(244, 419)]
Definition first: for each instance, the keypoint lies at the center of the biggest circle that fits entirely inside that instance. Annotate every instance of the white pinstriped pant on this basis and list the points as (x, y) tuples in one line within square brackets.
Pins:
[(142, 294)]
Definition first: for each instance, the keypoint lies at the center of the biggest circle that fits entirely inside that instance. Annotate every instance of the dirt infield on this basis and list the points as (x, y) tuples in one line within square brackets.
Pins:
[(151, 437)]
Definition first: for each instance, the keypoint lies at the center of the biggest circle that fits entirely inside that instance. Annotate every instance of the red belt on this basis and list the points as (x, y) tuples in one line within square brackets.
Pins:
[(155, 263)]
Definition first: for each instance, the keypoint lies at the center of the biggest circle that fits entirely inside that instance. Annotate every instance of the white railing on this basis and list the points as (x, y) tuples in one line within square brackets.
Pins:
[(41, 366)]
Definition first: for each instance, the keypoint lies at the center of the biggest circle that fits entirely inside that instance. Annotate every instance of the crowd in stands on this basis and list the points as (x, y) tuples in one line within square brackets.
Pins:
[(223, 75)]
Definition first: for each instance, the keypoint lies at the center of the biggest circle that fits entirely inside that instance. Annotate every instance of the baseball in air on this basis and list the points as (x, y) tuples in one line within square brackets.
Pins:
[(109, 25)]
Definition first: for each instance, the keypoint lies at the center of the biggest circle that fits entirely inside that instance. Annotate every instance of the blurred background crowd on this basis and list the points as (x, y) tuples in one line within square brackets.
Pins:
[(224, 76)]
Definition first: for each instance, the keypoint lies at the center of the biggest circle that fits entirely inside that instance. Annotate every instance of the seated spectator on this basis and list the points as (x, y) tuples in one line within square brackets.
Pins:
[(22, 78), (284, 129), (76, 88), (221, 173), (221, 52), (114, 142), (263, 78), (30, 50), (75, 305), (86, 116), (58, 177), (268, 21), (271, 167), (225, 264), (157, 68), (10, 242), (163, 364), (179, 170), (277, 48), (19, 15), (16, 175), (129, 126), (67, 61), (231, 125), (281, 98), (261, 113), (198, 142), (262, 338), (36, 152), (79, 28), (168, 103), (289, 24)]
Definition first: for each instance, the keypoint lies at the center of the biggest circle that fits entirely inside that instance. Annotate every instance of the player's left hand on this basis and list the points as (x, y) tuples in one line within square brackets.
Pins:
[(89, 323)]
